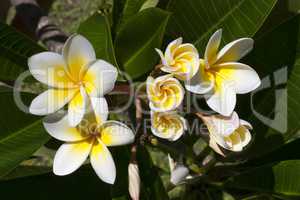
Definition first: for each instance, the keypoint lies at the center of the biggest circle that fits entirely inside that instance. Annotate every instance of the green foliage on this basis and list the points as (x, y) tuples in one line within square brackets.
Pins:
[(280, 178), (21, 133), (15, 48), (97, 30), (83, 184), (196, 21), (280, 43), (136, 41)]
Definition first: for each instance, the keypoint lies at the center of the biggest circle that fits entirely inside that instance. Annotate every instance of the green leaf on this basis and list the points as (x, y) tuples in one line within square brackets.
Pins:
[(152, 186), (121, 155), (82, 184), (97, 30), (131, 7), (276, 57), (21, 134), (281, 178), (15, 48), (26, 171), (137, 39), (197, 20)]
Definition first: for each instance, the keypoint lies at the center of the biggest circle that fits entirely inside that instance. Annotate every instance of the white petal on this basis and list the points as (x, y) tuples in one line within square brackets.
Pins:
[(77, 107), (51, 101), (213, 47), (214, 145), (221, 125), (162, 57), (70, 156), (245, 135), (235, 50), (246, 124), (78, 53), (171, 47), (223, 99), (61, 130), (50, 69), (100, 78), (235, 142), (201, 83), (100, 109), (114, 133), (243, 77), (103, 163)]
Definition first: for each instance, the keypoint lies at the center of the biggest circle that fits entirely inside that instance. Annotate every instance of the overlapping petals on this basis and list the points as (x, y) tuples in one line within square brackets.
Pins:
[(230, 133), (89, 139), (221, 77), (167, 125), (181, 60), (165, 93), (76, 76)]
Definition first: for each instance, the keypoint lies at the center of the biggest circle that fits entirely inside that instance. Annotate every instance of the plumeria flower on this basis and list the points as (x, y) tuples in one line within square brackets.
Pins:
[(167, 125), (89, 139), (221, 77), (230, 133), (75, 77), (165, 93), (179, 59)]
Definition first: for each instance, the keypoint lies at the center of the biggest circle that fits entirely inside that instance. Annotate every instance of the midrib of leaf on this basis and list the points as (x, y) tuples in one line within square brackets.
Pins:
[(214, 26), (109, 43), (19, 131), (146, 44), (9, 49)]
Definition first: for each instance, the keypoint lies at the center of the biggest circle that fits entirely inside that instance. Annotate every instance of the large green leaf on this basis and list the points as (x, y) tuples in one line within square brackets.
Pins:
[(15, 48), (281, 178), (131, 7), (83, 184), (276, 57), (196, 20), (97, 30), (152, 186), (21, 134), (137, 39)]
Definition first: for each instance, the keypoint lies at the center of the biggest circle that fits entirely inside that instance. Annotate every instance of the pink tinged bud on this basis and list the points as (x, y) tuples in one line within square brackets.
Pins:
[(134, 181)]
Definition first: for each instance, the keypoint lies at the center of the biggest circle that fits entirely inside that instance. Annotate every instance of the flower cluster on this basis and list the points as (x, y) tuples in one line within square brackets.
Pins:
[(80, 80), (218, 76)]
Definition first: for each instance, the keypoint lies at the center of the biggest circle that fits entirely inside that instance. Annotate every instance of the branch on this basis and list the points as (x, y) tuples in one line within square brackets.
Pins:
[(37, 21)]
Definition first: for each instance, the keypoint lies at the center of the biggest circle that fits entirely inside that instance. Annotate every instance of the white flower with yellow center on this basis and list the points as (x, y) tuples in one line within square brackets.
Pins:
[(89, 139), (75, 77), (179, 59), (167, 125), (221, 77), (230, 133), (165, 93)]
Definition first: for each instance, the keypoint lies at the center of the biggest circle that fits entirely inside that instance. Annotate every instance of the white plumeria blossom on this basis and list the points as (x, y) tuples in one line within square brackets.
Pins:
[(179, 59), (221, 77), (230, 133), (89, 139), (165, 93), (167, 125), (76, 78)]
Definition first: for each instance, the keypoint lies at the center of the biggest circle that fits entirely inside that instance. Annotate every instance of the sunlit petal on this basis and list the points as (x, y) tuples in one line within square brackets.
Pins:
[(103, 163), (51, 101), (114, 133), (77, 107), (50, 69), (70, 156), (100, 78), (78, 53), (235, 50), (61, 130), (242, 77), (212, 48)]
